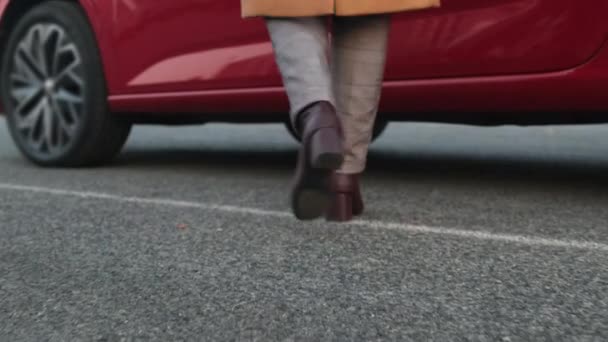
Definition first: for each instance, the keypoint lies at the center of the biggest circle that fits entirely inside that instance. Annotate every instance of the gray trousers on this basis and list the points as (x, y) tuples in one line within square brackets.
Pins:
[(349, 73)]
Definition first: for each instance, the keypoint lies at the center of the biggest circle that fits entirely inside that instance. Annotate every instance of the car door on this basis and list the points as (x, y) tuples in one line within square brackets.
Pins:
[(186, 45), (495, 37)]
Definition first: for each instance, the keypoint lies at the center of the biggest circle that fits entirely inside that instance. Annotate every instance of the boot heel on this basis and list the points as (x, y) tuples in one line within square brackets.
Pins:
[(326, 150), (358, 205), (341, 208)]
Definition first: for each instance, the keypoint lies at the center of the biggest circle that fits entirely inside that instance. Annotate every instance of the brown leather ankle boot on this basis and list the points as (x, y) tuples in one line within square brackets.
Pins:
[(346, 199), (320, 154)]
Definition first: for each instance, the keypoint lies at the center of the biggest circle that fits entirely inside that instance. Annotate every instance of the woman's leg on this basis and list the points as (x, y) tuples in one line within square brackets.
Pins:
[(301, 50), (301, 47), (359, 58)]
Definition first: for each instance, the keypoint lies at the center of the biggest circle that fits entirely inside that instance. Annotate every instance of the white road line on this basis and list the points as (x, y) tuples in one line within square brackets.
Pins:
[(462, 233)]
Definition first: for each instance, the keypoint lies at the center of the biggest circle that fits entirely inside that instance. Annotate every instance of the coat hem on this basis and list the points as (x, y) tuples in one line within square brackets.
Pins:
[(268, 8)]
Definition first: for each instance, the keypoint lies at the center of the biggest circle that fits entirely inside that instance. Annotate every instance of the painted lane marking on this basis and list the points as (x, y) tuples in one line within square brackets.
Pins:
[(409, 228)]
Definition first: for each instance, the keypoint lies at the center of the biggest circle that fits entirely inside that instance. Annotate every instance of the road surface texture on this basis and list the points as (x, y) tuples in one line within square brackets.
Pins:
[(471, 234)]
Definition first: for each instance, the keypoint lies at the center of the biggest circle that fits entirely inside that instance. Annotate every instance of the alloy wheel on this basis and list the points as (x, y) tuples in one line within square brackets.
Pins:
[(46, 87)]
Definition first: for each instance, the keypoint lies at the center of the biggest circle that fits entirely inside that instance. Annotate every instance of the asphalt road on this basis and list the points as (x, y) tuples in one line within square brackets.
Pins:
[(472, 234)]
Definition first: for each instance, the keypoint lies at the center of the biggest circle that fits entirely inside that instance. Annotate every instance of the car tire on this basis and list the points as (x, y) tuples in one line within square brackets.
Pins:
[(379, 128), (53, 90)]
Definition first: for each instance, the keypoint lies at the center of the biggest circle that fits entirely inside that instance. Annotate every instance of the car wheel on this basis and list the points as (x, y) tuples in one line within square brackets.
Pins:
[(53, 89), (379, 128)]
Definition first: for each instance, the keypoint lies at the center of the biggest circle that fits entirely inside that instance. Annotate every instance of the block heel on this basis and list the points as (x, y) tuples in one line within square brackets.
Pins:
[(326, 151), (341, 208), (346, 201)]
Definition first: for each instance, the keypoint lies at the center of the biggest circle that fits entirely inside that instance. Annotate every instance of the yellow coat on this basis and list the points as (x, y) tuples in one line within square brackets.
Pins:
[(307, 8)]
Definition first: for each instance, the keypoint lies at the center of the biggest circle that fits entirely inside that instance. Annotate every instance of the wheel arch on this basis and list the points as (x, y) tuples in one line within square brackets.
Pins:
[(12, 10), (56, 135)]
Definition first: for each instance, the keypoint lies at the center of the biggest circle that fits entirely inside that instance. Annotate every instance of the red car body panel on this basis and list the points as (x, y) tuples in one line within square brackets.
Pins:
[(582, 89), (476, 56), (496, 37), (206, 45), (169, 46), (3, 4)]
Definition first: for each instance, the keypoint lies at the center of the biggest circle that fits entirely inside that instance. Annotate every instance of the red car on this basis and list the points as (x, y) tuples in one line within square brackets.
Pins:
[(77, 74)]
